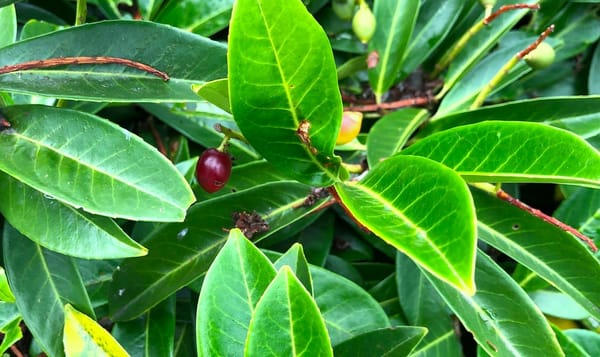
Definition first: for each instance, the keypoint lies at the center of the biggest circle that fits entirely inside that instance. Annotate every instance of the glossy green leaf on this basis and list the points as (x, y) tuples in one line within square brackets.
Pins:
[(285, 97), (149, 8), (581, 210), (233, 285), (424, 210), (559, 305), (462, 96), (62, 228), (513, 152), (577, 114), (6, 294), (317, 239), (391, 132), (500, 315), (423, 306), (594, 77), (152, 335), (42, 287), (186, 58), (198, 124), (8, 25), (336, 296), (7, 2), (10, 325), (198, 16), (287, 321), (577, 26), (434, 21), (395, 22), (552, 253), (182, 252), (395, 341), (84, 337), (216, 92), (47, 150), (482, 42), (294, 258), (569, 347), (588, 340)]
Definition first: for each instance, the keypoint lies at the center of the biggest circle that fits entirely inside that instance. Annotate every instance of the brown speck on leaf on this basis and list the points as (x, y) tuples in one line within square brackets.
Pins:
[(249, 223), (372, 59), (302, 133)]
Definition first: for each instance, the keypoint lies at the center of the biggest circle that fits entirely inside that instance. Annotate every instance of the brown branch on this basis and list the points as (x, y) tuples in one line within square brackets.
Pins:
[(506, 8), (548, 219), (390, 105), (336, 198), (537, 42), (156, 136), (15, 350), (63, 61)]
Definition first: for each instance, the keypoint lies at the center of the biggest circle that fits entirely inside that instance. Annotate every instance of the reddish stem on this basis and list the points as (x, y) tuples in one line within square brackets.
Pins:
[(391, 105), (337, 199), (15, 350), (506, 8), (156, 136), (537, 42), (63, 61), (553, 221)]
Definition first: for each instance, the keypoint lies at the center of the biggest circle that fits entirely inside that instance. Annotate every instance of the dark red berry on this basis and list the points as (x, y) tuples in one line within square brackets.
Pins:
[(213, 170)]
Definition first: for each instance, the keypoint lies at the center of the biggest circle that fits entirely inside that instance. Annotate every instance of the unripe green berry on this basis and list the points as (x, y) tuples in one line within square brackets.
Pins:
[(363, 23), (344, 9), (541, 57)]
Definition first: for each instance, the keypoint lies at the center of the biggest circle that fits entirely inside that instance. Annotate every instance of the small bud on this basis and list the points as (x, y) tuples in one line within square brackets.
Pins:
[(541, 57), (363, 23), (344, 9)]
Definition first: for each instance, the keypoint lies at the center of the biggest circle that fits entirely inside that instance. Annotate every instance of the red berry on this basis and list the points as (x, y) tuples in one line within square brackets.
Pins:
[(213, 170)]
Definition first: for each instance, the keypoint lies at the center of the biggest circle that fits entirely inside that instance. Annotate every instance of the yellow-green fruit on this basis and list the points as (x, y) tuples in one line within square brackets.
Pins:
[(363, 23), (351, 123), (541, 57), (344, 9)]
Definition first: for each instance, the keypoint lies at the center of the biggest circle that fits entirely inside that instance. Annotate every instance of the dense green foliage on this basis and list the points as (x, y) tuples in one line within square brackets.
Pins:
[(400, 242)]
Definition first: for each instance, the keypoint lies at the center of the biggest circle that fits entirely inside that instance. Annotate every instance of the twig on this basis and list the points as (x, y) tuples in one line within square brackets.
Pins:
[(63, 61), (14, 349), (391, 105), (506, 8), (156, 136), (507, 67), (549, 219), (81, 12)]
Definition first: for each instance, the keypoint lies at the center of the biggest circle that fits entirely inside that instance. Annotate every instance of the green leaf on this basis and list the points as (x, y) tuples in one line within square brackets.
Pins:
[(10, 325), (8, 25), (552, 253), (594, 77), (294, 258), (234, 283), (434, 22), (577, 114), (422, 305), (107, 171), (513, 152), (424, 210), (395, 20), (84, 337), (216, 92), (201, 17), (588, 340), (569, 347), (500, 315), (180, 253), (42, 286), (394, 341), (185, 57), (559, 305), (391, 132), (581, 210), (482, 42), (283, 88), (60, 227), (6, 294), (7, 2), (152, 335), (287, 321)]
